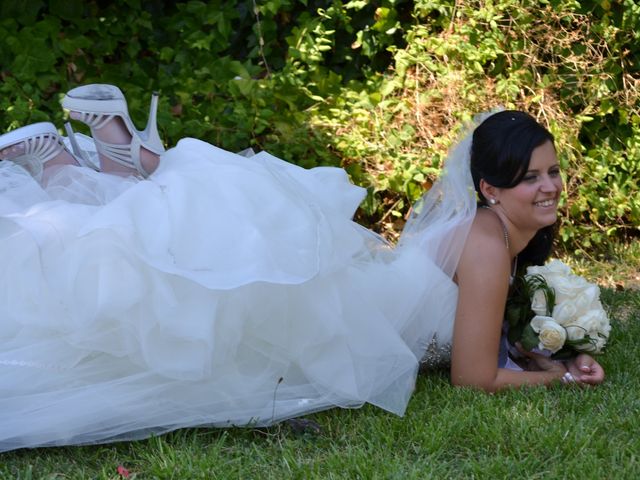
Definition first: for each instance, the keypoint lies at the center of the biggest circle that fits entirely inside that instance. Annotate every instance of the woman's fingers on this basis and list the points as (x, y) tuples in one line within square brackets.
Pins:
[(586, 370)]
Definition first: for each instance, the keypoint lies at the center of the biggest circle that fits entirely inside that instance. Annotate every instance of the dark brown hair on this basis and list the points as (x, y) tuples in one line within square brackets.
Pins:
[(500, 154)]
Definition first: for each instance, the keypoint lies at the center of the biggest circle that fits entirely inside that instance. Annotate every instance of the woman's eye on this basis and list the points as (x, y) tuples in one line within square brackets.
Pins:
[(555, 172), (530, 178)]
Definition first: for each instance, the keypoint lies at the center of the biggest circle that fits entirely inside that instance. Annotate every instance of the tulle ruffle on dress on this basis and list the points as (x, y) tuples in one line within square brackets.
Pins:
[(221, 291)]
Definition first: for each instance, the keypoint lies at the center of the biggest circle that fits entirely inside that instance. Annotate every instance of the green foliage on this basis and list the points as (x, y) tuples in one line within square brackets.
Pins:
[(573, 64), (378, 87)]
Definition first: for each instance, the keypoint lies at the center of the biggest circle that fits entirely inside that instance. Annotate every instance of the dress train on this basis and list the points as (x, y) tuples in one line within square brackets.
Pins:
[(222, 290)]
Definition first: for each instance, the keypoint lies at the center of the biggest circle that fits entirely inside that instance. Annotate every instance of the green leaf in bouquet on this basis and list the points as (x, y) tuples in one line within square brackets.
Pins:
[(579, 345), (513, 315), (578, 342), (529, 338), (533, 283), (565, 353), (514, 333), (518, 311)]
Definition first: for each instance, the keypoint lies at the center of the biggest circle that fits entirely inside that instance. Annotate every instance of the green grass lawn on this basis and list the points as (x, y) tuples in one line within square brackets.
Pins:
[(560, 432)]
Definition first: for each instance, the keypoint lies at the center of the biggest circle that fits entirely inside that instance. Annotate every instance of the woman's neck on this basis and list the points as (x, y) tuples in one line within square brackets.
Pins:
[(516, 239)]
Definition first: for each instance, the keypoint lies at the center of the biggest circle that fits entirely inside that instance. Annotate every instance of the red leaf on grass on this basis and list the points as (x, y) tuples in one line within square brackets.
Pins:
[(123, 472)]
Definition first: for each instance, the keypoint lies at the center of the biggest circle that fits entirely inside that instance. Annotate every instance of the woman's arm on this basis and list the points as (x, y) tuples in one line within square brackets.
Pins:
[(483, 281)]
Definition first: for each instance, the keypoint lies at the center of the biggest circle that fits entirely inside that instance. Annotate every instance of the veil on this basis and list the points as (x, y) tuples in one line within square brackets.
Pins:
[(440, 221)]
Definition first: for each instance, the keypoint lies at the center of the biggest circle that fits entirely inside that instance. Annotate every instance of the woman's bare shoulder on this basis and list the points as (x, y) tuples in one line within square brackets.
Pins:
[(486, 236), (485, 245)]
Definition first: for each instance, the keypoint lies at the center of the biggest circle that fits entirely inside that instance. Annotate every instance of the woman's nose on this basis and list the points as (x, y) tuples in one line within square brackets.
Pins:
[(550, 184)]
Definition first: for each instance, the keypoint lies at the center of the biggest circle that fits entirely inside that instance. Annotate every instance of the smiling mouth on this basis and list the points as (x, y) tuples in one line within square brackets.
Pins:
[(545, 203)]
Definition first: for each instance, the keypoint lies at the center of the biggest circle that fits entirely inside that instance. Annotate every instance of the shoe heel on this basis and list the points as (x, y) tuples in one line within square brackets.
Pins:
[(78, 152), (150, 134), (98, 105)]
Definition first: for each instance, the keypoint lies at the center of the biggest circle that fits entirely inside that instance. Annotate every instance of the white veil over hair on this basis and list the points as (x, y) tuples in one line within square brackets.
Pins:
[(440, 221)]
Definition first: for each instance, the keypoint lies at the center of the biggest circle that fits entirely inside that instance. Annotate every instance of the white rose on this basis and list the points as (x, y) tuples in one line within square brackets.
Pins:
[(595, 346), (594, 325), (539, 303), (553, 268), (581, 293), (559, 267), (587, 298), (565, 313), (570, 286), (556, 272), (551, 335), (594, 321), (575, 332), (600, 343), (558, 276), (566, 288), (534, 270)]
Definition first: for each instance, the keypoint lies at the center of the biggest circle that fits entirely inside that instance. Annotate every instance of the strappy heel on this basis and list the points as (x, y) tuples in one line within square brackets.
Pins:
[(97, 105), (80, 154), (36, 144)]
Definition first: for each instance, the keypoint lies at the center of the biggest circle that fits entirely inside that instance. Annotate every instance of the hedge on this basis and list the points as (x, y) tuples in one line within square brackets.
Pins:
[(377, 87)]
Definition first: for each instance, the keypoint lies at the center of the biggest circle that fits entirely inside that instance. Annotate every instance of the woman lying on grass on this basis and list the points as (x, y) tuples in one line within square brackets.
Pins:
[(198, 287)]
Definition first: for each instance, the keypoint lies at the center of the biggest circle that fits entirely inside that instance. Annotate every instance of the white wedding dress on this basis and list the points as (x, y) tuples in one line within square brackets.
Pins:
[(221, 291)]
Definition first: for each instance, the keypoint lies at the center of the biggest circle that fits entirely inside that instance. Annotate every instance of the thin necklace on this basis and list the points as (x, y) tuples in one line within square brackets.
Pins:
[(506, 241)]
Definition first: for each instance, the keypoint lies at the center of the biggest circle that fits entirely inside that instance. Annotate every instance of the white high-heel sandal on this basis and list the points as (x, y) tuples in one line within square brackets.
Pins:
[(36, 144), (97, 105)]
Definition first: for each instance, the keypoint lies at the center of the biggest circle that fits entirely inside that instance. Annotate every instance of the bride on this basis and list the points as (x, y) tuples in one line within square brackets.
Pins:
[(150, 290)]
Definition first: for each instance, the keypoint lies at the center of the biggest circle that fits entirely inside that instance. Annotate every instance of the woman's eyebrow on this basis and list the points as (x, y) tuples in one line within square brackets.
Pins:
[(535, 170)]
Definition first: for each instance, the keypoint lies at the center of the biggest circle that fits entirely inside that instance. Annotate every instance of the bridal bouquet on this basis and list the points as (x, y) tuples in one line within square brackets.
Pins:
[(553, 310)]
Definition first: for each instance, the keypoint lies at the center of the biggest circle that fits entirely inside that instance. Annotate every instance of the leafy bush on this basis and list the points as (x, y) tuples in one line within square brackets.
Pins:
[(378, 87)]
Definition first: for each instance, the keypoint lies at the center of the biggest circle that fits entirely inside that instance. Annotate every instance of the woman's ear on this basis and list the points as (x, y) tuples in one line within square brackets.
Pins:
[(489, 192)]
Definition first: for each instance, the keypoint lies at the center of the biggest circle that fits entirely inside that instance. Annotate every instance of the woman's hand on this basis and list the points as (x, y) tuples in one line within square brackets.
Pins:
[(541, 362), (585, 370)]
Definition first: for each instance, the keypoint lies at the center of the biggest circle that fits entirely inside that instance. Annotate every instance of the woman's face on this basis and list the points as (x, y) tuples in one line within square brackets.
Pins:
[(533, 203)]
